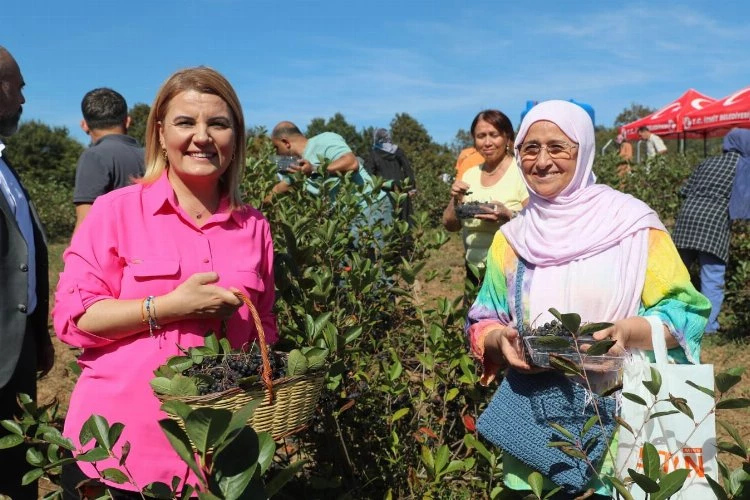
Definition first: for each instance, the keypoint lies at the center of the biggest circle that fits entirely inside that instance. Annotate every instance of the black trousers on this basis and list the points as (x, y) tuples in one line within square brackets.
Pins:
[(13, 460)]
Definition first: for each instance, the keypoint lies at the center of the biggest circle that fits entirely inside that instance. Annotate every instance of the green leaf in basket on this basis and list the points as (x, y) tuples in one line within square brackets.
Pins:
[(212, 342), (552, 342), (600, 347), (571, 321), (180, 363), (164, 371), (180, 385), (226, 347), (205, 426), (296, 363)]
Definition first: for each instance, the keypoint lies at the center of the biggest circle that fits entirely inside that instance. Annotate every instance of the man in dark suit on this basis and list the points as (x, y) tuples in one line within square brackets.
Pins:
[(25, 346)]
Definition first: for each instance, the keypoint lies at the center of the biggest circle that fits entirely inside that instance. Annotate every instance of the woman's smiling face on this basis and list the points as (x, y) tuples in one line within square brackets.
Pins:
[(546, 175), (198, 135)]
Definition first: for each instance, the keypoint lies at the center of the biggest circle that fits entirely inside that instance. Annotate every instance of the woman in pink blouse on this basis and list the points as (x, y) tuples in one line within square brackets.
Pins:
[(156, 265)]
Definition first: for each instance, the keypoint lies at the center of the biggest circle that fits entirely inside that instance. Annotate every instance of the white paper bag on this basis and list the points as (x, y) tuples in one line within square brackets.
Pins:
[(681, 445)]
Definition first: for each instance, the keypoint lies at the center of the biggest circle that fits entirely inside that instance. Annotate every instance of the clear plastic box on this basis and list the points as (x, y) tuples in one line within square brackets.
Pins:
[(540, 348)]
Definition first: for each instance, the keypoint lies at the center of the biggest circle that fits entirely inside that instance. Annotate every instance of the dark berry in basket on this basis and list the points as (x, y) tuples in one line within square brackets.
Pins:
[(472, 208), (219, 373)]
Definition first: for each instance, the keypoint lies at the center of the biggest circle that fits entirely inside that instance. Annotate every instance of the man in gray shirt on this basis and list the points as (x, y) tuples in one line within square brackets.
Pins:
[(114, 158)]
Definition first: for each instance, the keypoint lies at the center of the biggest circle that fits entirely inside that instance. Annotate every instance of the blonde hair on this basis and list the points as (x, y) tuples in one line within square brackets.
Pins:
[(207, 81)]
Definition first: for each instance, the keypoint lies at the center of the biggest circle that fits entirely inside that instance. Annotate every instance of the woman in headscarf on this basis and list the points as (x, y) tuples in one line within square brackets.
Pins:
[(578, 247), (702, 228), (388, 161)]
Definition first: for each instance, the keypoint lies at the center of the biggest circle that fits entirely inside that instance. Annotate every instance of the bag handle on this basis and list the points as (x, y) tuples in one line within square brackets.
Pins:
[(657, 339), (266, 373)]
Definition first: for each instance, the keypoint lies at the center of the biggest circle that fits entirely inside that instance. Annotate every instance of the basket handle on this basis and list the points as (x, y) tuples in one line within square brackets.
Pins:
[(266, 373)]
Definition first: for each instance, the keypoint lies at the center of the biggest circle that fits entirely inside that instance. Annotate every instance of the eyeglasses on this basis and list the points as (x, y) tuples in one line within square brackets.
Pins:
[(556, 150)]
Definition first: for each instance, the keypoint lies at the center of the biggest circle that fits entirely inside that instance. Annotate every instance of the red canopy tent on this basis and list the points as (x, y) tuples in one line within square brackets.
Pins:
[(717, 118), (667, 122)]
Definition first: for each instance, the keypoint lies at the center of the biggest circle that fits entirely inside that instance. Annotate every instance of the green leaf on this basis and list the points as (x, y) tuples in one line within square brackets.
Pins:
[(176, 407), (590, 328), (634, 398), (704, 390), (316, 357), (536, 481), (589, 424), (115, 475), (653, 385), (400, 413), (115, 432), (226, 347), (180, 442), (671, 484), (94, 455), (734, 434), (621, 488), (266, 451), (733, 404), (562, 430), (732, 448), (59, 440), (651, 461), (10, 441), (31, 476), (296, 363), (35, 457), (662, 414), (681, 405), (13, 427), (571, 322), (647, 484), (236, 465), (564, 365), (551, 493), (241, 417), (441, 459), (205, 426), (559, 444), (428, 460), (717, 489), (158, 490), (180, 363), (574, 452), (89, 431), (600, 347), (726, 380), (212, 343), (282, 477)]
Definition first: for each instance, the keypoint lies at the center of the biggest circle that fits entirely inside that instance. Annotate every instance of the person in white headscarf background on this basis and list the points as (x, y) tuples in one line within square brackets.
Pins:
[(579, 247)]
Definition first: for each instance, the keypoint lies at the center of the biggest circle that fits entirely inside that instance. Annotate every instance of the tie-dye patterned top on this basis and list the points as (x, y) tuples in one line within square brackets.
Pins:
[(667, 293)]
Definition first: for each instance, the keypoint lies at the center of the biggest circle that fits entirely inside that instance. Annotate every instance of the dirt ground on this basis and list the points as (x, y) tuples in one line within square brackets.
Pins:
[(723, 353)]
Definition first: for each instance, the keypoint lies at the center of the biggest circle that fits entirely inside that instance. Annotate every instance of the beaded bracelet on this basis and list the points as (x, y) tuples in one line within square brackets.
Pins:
[(151, 312)]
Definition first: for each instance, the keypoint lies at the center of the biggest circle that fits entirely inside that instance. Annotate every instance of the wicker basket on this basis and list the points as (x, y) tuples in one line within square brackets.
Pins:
[(288, 402)]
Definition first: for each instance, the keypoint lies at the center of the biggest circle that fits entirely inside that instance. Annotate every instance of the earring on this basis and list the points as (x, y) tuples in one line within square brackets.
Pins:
[(164, 154)]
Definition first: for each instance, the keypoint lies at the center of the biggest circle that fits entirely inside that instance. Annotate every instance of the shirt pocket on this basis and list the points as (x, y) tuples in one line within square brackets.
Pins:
[(145, 276), (152, 268)]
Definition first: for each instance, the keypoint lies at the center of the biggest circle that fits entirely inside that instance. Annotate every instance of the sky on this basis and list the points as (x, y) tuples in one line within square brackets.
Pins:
[(440, 61)]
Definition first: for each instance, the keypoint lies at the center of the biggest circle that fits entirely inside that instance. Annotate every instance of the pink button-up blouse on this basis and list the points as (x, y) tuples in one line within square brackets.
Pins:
[(137, 242)]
